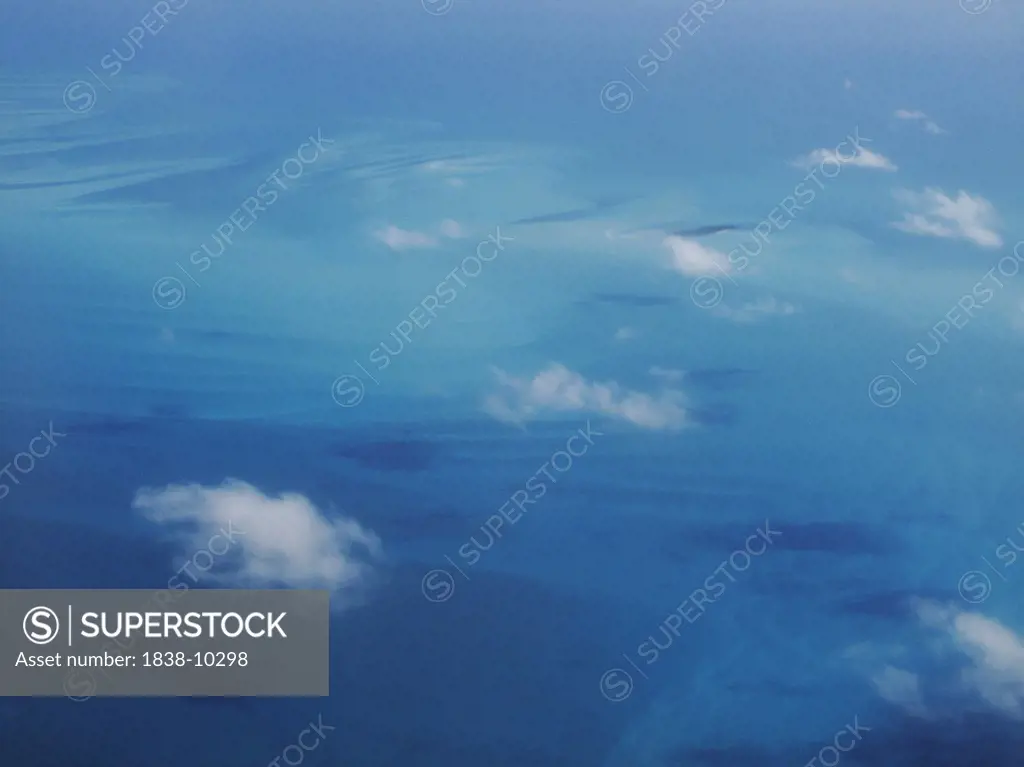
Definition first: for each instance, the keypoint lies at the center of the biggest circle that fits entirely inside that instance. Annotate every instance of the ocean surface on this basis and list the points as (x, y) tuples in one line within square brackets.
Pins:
[(527, 228)]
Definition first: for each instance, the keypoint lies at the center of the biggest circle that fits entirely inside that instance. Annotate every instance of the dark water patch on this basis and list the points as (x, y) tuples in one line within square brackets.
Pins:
[(712, 415), (718, 378), (834, 537), (683, 229), (704, 231), (169, 410), (577, 214), (391, 455), (894, 604)]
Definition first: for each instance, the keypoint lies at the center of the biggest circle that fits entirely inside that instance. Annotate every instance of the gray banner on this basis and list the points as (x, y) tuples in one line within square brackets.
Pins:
[(88, 643)]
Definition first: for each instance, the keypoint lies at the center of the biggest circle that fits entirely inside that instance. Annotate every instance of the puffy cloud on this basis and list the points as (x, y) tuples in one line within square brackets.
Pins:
[(284, 540), (407, 239), (974, 659), (996, 655), (451, 229), (917, 116), (404, 239), (934, 214), (625, 334), (901, 688), (557, 389), (694, 259), (862, 158)]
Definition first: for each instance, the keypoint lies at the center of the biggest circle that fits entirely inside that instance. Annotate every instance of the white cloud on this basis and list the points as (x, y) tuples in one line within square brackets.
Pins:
[(862, 158), (757, 310), (284, 540), (404, 239), (847, 83), (901, 688), (918, 116), (451, 229), (625, 334), (934, 214), (560, 390), (990, 666), (694, 259), (996, 653)]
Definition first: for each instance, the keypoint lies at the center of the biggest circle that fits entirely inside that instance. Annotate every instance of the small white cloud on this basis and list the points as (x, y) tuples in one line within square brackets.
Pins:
[(404, 239), (865, 158), (451, 229), (996, 673), (456, 182), (560, 390), (847, 83), (284, 540), (862, 158), (624, 334), (901, 688), (918, 116), (757, 310), (666, 373), (934, 214), (694, 259)]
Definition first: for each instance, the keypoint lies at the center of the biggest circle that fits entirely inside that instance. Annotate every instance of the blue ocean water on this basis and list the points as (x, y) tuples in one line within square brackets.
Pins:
[(629, 616)]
